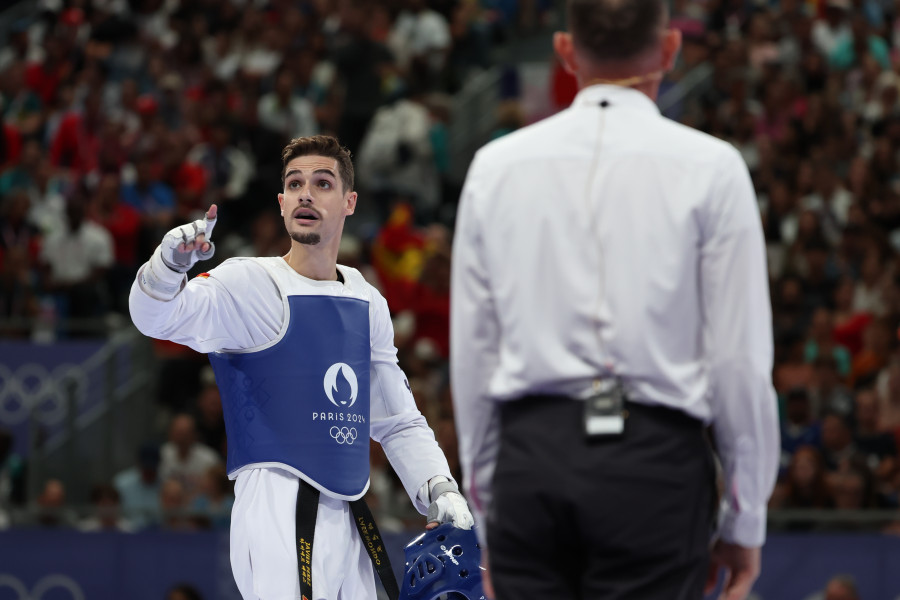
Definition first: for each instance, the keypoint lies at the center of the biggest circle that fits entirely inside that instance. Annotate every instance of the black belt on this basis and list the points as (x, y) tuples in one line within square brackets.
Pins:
[(307, 510), (672, 417)]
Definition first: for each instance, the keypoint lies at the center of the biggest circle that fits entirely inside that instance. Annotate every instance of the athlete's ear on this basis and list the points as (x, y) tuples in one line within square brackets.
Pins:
[(281, 203), (350, 203)]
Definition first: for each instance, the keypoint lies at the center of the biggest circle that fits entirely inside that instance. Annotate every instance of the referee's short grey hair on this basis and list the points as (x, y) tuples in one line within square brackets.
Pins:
[(615, 30)]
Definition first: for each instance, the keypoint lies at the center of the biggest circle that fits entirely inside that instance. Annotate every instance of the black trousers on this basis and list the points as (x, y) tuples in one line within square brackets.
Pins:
[(626, 518)]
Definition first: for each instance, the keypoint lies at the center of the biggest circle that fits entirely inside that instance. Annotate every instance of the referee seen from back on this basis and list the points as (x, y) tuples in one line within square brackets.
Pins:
[(610, 300)]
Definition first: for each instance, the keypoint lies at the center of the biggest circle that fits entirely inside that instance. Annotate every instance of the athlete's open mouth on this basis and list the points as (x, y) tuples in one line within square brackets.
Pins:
[(306, 214)]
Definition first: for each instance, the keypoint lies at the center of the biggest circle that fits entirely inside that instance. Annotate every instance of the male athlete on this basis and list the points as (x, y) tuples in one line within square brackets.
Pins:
[(304, 358)]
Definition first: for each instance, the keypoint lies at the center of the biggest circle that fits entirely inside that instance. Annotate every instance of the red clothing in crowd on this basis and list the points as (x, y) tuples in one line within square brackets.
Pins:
[(123, 225), (432, 310), (43, 81), (13, 141), (74, 146), (850, 333)]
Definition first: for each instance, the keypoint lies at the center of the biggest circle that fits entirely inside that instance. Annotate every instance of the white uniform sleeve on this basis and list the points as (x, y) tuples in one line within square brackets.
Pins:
[(396, 422), (237, 307), (474, 355), (738, 340)]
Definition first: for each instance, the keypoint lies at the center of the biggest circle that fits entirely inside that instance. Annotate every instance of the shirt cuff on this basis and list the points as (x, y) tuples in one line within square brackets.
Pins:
[(745, 528)]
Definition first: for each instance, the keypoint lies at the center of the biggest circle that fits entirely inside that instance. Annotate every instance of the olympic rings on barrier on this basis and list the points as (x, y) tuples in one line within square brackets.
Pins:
[(343, 435), (32, 386), (45, 584)]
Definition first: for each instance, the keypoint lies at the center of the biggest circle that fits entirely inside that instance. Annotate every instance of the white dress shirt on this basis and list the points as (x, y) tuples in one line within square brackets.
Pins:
[(611, 240)]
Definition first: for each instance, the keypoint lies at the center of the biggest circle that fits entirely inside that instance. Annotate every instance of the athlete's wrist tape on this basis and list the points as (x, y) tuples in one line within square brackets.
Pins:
[(441, 488), (158, 280)]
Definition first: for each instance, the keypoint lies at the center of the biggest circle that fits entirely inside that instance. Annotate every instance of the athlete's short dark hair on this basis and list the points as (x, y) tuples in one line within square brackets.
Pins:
[(320, 145), (611, 30)]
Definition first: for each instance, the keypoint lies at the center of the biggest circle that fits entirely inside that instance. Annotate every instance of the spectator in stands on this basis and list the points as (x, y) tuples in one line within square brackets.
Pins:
[(11, 478), (123, 222), (18, 292), (52, 511), (107, 515), (152, 198), (799, 427), (77, 142), (185, 591), (851, 489), (868, 296), (792, 370), (888, 387), (175, 508), (397, 157), (15, 229), (360, 62), (804, 486), (849, 322), (420, 36), (183, 458), (878, 448), (285, 113), (76, 259), (874, 354), (213, 505), (837, 441), (139, 487), (228, 169), (827, 392), (839, 587), (789, 313), (821, 342)]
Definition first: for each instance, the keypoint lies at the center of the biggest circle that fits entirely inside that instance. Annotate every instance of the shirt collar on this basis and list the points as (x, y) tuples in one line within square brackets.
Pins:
[(616, 95)]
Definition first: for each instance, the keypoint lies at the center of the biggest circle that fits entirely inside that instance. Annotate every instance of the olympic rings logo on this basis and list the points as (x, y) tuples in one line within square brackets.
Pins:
[(343, 435), (33, 386), (43, 585)]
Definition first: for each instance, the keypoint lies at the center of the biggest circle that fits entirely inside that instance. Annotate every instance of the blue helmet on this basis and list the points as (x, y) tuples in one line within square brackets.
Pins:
[(444, 560)]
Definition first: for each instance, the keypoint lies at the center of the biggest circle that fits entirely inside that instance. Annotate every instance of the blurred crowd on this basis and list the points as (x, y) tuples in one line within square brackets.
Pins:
[(124, 118), (808, 92)]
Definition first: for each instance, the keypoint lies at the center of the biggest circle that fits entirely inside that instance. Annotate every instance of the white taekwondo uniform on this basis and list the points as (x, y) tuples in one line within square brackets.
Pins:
[(246, 306)]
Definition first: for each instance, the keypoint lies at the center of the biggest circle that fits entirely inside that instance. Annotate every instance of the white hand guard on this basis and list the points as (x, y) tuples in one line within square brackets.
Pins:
[(448, 505), (163, 277), (182, 260)]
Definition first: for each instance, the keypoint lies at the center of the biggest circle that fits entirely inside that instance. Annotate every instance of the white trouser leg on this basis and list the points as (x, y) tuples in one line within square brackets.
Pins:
[(263, 544)]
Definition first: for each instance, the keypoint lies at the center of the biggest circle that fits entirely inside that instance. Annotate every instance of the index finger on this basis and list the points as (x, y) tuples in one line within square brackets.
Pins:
[(211, 220)]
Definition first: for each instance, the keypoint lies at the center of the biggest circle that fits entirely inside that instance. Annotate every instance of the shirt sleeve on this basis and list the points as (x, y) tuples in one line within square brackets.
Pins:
[(474, 355), (738, 338), (237, 306), (396, 422)]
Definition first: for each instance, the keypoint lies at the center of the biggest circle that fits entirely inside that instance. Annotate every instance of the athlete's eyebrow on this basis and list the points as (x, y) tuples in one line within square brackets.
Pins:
[(296, 171)]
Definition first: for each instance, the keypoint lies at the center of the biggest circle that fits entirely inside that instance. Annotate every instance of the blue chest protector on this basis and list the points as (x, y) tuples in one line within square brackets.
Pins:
[(303, 403)]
